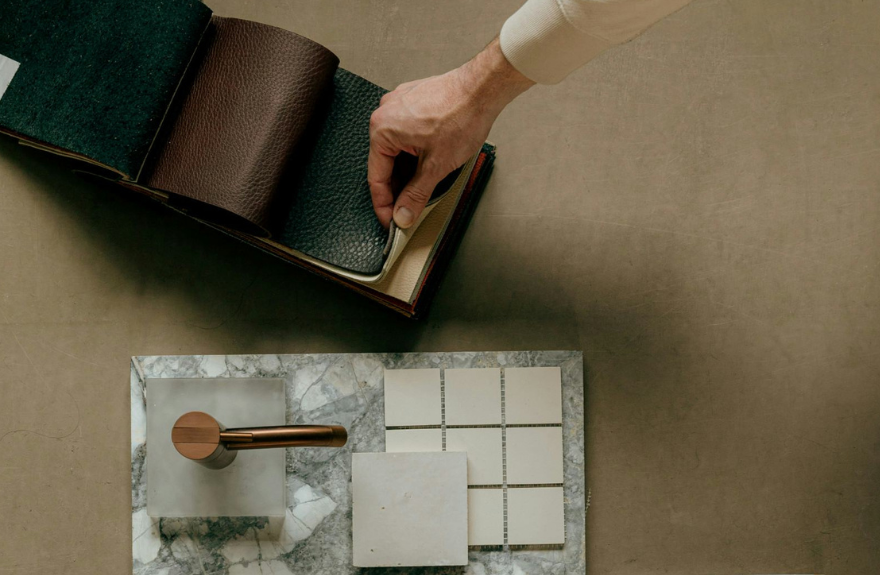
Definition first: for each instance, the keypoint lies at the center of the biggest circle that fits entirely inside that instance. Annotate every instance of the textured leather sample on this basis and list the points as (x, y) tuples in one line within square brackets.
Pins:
[(398, 239), (242, 114), (410, 293), (332, 218), (96, 77)]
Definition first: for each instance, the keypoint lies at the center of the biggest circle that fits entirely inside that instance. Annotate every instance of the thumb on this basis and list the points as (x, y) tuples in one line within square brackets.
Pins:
[(411, 201)]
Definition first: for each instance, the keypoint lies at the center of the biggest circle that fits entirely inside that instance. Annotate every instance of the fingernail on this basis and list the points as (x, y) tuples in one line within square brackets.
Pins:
[(404, 217)]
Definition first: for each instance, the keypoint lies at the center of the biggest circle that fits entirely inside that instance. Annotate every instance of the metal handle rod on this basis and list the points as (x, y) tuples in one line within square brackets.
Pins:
[(284, 436), (201, 438)]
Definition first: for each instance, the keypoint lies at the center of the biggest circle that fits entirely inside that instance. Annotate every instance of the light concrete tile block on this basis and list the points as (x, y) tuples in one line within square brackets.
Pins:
[(534, 455), (533, 395), (254, 484), (409, 509), (473, 396), (484, 453), (412, 397)]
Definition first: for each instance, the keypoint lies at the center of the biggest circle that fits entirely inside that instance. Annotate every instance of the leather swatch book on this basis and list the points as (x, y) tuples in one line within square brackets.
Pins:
[(253, 130)]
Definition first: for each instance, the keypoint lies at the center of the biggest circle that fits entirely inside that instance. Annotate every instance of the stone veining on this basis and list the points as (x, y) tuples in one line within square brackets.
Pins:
[(314, 537)]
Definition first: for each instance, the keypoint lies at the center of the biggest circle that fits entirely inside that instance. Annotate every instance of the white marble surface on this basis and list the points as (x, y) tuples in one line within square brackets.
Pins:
[(314, 537)]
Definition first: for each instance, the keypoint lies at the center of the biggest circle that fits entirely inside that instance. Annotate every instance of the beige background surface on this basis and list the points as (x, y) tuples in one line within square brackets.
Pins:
[(698, 211)]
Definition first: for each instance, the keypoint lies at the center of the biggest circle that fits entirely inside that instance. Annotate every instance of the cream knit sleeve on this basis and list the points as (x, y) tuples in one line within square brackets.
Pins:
[(546, 40)]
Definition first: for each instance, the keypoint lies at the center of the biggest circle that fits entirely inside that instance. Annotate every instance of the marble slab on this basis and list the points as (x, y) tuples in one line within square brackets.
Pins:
[(314, 537)]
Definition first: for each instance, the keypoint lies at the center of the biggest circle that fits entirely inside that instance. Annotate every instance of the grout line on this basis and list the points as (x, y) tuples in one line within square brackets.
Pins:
[(504, 456), (443, 408), (405, 427)]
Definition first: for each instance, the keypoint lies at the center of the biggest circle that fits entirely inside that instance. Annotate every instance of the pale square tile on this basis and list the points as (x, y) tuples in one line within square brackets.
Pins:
[(485, 517), (534, 455), (473, 396), (535, 516), (484, 458), (412, 397), (409, 509), (413, 440), (533, 395)]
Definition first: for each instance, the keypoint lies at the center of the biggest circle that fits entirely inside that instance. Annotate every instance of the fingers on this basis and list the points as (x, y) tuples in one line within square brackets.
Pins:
[(380, 166), (412, 200)]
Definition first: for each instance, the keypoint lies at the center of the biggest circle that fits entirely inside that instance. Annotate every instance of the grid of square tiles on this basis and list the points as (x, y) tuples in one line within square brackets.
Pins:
[(509, 423)]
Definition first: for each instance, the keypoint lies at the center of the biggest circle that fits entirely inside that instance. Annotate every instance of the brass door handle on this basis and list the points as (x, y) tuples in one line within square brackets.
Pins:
[(203, 439)]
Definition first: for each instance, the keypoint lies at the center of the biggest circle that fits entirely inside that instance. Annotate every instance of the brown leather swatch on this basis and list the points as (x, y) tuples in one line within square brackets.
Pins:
[(246, 105)]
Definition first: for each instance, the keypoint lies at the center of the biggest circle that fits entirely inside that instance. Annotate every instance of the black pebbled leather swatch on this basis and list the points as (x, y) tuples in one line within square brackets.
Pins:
[(331, 214)]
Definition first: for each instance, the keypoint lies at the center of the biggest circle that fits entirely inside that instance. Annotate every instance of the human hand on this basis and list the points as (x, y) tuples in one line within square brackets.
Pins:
[(443, 121)]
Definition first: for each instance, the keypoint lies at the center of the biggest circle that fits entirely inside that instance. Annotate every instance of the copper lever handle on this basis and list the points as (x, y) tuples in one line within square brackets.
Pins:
[(203, 439)]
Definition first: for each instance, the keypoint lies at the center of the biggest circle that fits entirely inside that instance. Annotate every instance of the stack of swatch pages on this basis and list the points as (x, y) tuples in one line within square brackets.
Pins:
[(473, 460), (251, 129)]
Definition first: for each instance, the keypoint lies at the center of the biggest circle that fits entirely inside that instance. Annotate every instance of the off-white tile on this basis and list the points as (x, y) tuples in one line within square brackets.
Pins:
[(485, 517), (484, 458), (412, 397), (535, 516), (413, 440), (533, 395), (534, 455), (473, 396)]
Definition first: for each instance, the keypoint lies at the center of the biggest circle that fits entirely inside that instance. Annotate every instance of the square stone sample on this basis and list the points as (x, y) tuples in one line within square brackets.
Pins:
[(484, 453), (473, 396), (413, 440), (412, 397), (534, 455), (485, 517), (533, 395), (409, 509), (535, 516), (253, 485)]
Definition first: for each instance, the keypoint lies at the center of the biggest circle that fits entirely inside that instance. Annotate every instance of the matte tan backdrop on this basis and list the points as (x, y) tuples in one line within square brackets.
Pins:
[(698, 211)]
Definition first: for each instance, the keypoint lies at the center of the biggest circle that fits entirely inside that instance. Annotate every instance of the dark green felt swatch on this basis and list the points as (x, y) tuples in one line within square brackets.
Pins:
[(96, 76)]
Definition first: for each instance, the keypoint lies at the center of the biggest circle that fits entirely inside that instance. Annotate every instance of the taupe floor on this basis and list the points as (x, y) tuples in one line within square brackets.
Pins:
[(698, 211)]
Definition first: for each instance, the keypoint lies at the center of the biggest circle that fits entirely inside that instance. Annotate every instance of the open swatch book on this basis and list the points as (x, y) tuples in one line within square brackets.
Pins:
[(254, 130)]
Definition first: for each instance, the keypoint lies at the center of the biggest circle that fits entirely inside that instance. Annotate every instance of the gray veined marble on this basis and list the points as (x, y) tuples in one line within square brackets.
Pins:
[(314, 537)]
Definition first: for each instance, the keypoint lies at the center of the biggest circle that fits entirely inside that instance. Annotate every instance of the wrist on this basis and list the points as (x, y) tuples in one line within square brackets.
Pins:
[(492, 81)]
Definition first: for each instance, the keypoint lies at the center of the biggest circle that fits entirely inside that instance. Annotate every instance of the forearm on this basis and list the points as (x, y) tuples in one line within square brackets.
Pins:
[(490, 82), (548, 39)]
